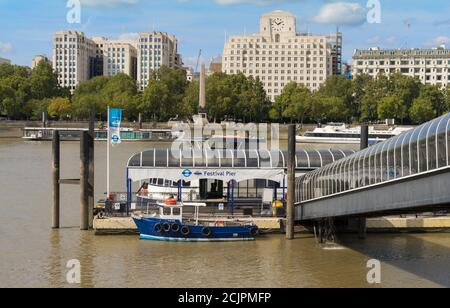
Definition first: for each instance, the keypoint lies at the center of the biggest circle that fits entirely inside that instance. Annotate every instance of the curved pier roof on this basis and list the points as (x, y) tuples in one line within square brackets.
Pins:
[(418, 151), (251, 159)]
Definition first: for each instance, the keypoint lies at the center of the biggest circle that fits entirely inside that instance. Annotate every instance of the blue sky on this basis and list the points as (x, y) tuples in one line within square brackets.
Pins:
[(27, 26)]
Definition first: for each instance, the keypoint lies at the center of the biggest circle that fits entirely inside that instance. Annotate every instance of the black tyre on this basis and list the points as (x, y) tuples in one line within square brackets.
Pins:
[(207, 232), (254, 231), (185, 230), (166, 227), (158, 228), (175, 228)]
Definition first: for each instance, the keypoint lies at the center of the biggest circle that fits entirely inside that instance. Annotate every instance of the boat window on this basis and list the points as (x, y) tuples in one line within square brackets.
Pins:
[(166, 211), (167, 183), (186, 184), (160, 182), (176, 211)]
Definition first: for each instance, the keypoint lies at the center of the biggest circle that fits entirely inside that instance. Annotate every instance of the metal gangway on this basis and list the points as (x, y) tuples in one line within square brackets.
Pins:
[(407, 173)]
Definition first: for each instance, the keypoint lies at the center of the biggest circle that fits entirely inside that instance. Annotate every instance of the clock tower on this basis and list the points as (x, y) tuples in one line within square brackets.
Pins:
[(278, 25)]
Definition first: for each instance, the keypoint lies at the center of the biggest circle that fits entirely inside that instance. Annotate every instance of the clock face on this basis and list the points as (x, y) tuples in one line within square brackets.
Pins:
[(278, 24)]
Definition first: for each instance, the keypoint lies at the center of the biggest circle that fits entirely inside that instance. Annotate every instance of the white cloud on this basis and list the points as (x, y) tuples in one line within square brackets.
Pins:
[(132, 36), (342, 13), (6, 47), (438, 41)]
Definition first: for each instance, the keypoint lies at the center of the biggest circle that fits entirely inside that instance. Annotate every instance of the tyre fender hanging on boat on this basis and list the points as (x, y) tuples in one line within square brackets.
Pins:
[(158, 228), (175, 228), (254, 231), (166, 227), (207, 232), (185, 230)]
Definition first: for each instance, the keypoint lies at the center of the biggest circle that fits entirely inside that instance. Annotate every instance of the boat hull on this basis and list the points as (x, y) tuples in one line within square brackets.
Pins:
[(149, 229)]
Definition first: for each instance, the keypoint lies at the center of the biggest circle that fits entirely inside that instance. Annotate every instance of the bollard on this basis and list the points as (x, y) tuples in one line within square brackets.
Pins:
[(56, 177), (291, 182)]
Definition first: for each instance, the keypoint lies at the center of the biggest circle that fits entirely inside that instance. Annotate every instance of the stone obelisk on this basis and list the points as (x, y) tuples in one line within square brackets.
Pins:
[(202, 98)]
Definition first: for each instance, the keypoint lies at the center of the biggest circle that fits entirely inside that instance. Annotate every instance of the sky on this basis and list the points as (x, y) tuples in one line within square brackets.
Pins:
[(27, 26)]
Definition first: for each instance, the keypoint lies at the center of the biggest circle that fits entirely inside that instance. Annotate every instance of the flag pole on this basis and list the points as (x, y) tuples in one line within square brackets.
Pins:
[(108, 190)]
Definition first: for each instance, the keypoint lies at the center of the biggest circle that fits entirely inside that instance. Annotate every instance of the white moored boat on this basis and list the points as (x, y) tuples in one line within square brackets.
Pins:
[(339, 133)]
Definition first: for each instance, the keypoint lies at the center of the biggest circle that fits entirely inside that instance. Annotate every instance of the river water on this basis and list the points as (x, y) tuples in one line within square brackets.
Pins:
[(33, 255)]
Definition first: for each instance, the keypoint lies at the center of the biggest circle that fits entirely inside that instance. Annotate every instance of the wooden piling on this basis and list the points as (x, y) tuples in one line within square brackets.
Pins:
[(56, 161), (84, 181), (91, 146), (291, 182), (362, 223)]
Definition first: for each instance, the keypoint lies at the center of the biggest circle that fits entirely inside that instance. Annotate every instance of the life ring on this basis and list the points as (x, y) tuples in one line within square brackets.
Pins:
[(157, 228), (166, 227), (185, 230), (171, 202), (207, 232), (101, 215), (175, 228)]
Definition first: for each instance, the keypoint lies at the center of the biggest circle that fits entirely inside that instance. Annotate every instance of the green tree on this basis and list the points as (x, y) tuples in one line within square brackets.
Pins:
[(36, 107), (292, 104), (156, 101), (436, 97), (190, 100), (341, 90), (422, 111), (43, 82), (87, 96), (60, 108), (391, 107)]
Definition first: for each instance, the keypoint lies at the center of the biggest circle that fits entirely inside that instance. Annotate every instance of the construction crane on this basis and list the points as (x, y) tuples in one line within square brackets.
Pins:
[(198, 60)]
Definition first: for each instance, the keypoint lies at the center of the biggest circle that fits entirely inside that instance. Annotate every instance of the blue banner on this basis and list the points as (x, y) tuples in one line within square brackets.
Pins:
[(115, 120)]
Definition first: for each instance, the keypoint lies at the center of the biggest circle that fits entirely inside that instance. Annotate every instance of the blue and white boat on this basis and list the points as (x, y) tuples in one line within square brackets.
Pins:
[(169, 225)]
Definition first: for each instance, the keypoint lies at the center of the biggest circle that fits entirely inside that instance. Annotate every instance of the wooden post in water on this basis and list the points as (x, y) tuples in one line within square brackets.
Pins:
[(140, 120), (56, 177), (291, 182), (84, 181), (91, 189), (362, 224)]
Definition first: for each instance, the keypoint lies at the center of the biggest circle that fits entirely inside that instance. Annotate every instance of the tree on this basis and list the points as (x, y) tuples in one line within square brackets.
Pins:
[(190, 100), (43, 82), (421, 111), (341, 90), (293, 103), (156, 101), (87, 96), (391, 107), (436, 97), (36, 107), (60, 108)]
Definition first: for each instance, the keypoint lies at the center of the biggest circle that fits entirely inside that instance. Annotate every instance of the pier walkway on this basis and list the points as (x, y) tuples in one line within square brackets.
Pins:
[(408, 173)]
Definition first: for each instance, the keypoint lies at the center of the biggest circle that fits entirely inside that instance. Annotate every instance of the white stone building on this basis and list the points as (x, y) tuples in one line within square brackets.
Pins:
[(154, 50), (278, 54), (38, 59), (116, 57), (73, 58), (431, 66)]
